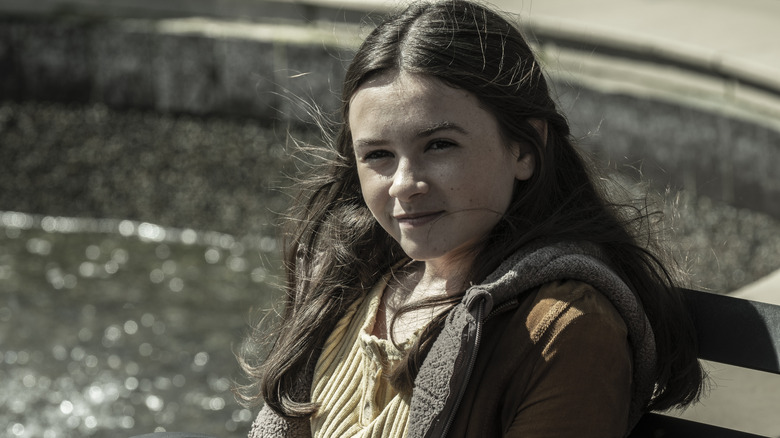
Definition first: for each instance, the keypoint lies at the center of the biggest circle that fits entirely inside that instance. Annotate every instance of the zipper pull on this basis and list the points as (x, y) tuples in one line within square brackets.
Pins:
[(477, 295)]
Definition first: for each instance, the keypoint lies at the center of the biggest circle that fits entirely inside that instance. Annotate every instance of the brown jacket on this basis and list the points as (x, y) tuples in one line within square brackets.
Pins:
[(557, 364), (534, 351)]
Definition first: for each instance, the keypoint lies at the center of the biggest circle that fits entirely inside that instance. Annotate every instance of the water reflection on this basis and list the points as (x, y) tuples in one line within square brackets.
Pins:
[(115, 328)]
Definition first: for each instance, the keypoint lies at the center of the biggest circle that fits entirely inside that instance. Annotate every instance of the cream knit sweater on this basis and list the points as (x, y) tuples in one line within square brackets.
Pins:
[(350, 384)]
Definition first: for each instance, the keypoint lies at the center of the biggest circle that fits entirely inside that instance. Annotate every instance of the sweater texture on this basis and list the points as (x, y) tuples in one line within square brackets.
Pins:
[(351, 387)]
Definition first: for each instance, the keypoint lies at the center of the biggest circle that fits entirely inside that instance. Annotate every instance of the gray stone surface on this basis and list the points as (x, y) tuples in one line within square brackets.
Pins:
[(244, 68), (275, 73), (221, 174), (140, 64), (706, 153), (125, 74)]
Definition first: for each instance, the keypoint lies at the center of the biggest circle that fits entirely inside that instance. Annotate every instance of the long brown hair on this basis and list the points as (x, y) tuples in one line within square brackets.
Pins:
[(335, 250)]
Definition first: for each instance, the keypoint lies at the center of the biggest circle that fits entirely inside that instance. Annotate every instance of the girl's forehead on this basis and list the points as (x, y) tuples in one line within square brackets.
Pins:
[(402, 83), (398, 108), (410, 94)]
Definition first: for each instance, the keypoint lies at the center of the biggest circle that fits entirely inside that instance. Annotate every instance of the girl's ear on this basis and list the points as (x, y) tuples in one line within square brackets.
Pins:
[(526, 163), (524, 168)]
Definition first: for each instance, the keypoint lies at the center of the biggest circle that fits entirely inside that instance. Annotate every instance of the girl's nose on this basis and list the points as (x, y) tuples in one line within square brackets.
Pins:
[(408, 182)]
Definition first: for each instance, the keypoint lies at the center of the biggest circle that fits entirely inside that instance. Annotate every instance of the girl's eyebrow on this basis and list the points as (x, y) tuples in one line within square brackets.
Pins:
[(422, 133), (441, 126), (367, 143)]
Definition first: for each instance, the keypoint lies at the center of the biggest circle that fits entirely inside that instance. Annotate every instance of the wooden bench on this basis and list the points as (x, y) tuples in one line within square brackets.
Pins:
[(732, 331)]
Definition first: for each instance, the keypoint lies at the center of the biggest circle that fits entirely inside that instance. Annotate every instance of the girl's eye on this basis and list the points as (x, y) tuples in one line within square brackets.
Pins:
[(376, 155), (440, 144)]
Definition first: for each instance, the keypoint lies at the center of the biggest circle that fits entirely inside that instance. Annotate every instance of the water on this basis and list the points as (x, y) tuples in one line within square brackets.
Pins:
[(116, 328)]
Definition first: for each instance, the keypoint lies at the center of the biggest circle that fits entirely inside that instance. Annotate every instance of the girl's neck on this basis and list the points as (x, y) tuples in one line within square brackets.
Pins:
[(431, 282), (442, 277), (411, 283)]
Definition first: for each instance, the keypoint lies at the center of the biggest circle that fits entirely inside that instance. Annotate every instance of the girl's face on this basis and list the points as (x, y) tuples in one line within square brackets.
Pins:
[(433, 167)]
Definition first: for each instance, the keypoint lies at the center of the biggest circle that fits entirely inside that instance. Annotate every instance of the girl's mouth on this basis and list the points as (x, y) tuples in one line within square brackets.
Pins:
[(417, 219)]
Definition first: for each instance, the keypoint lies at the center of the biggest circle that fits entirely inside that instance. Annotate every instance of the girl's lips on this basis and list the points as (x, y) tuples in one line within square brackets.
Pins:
[(417, 219)]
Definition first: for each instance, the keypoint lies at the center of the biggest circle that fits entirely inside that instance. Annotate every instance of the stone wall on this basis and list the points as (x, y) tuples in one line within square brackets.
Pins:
[(270, 73), (192, 66)]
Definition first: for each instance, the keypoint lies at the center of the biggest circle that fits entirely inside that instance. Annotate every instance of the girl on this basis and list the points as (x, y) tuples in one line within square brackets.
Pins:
[(453, 268)]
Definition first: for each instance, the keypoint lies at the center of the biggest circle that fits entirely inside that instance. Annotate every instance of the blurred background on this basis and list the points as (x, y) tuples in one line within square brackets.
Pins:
[(143, 163)]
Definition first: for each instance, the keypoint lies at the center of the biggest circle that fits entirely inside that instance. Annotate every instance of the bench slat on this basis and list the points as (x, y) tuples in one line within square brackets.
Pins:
[(732, 331), (663, 426), (735, 331)]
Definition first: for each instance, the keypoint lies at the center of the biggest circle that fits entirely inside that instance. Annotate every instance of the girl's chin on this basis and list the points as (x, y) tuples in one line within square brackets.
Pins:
[(454, 256)]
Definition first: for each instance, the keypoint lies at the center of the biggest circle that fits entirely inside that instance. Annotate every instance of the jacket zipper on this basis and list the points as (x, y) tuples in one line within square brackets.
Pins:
[(473, 358), (502, 307), (469, 369)]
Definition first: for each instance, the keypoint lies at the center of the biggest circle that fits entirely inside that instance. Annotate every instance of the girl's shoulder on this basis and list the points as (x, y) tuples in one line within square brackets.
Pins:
[(559, 305)]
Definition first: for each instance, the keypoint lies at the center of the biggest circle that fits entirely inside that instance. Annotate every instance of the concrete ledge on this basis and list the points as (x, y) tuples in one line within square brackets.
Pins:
[(191, 66), (766, 290), (250, 10), (587, 38), (674, 84), (678, 128), (579, 34)]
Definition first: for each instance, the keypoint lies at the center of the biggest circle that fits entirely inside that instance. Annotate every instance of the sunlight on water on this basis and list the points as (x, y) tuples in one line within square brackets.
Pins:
[(114, 328)]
